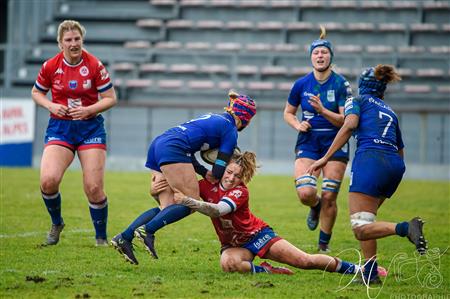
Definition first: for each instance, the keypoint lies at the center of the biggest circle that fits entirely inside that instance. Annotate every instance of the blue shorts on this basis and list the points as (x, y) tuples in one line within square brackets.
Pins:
[(261, 242), (76, 135), (168, 148), (376, 173), (314, 145)]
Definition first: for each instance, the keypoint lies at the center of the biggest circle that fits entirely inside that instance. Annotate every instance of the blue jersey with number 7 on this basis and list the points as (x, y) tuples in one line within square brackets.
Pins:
[(378, 126)]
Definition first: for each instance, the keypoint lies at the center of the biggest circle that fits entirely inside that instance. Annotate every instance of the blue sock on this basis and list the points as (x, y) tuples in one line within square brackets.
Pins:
[(53, 204), (145, 217), (99, 216), (257, 269), (345, 267), (169, 215), (324, 238), (317, 207), (401, 229), (371, 269)]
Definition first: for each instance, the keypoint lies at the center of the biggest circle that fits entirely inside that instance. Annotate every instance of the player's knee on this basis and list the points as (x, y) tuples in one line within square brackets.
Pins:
[(328, 200), (49, 184), (359, 221), (331, 186), (306, 186), (229, 265), (93, 190)]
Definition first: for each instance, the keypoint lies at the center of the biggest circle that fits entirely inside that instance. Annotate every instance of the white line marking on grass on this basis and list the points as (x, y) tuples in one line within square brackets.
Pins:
[(29, 234)]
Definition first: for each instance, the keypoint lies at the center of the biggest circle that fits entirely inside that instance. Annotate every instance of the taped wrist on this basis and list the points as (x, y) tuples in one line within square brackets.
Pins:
[(220, 164)]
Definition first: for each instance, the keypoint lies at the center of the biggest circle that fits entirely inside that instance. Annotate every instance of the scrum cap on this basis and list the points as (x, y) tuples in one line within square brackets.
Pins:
[(242, 106), (369, 84)]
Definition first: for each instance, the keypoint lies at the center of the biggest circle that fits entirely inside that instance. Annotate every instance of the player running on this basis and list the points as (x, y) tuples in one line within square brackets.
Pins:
[(77, 80), (321, 95), (171, 158), (377, 168)]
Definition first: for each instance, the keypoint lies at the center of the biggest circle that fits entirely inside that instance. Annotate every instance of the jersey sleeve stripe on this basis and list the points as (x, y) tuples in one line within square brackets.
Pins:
[(230, 202), (41, 87), (104, 87)]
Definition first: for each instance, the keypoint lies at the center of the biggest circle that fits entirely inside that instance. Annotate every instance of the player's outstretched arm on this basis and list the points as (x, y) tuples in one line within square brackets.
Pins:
[(209, 209)]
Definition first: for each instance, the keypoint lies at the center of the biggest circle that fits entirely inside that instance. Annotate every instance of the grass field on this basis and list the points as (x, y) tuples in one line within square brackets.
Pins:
[(189, 251)]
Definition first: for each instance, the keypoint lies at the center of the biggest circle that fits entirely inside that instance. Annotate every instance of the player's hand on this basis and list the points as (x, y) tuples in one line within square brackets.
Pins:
[(304, 126), (316, 103), (158, 187), (179, 197), (80, 113), (58, 109), (210, 177), (319, 164)]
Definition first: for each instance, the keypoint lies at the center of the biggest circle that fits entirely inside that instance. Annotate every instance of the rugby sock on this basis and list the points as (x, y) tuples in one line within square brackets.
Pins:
[(53, 204), (168, 215), (318, 206), (346, 267), (324, 238), (144, 218), (99, 216), (401, 229), (257, 269), (371, 269)]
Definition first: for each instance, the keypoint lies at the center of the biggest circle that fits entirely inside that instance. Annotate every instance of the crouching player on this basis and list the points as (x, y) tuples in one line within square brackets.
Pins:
[(244, 236)]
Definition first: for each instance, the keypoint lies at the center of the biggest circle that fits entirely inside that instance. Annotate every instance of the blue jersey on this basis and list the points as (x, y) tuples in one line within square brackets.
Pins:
[(209, 131), (333, 94), (178, 144), (378, 126)]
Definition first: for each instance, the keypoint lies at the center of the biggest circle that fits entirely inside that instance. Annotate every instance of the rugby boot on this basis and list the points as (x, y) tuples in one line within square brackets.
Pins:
[(147, 239), (101, 243), (275, 270), (323, 249), (415, 235), (54, 233), (368, 282), (312, 221), (125, 248)]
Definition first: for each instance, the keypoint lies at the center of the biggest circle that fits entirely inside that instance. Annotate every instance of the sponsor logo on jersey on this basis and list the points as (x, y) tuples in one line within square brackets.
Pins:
[(379, 141), (348, 104), (308, 94), (74, 103), (84, 71), (73, 84), (104, 74), (52, 138), (87, 84), (308, 115), (59, 71), (57, 85), (330, 96), (236, 193)]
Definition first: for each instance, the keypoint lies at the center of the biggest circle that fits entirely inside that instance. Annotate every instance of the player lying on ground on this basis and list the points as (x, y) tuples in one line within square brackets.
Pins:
[(244, 236)]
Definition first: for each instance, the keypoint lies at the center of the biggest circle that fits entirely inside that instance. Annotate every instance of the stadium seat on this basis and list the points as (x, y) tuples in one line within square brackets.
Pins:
[(419, 88)]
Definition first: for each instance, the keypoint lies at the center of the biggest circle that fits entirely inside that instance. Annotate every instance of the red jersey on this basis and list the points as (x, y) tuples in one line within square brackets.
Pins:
[(239, 226), (73, 85)]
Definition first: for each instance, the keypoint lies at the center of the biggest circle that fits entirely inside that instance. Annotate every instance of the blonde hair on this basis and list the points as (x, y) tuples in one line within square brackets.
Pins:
[(69, 25), (386, 73), (247, 161), (323, 32)]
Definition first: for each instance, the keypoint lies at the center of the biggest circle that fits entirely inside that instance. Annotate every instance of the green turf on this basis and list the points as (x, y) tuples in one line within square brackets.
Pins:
[(189, 251)]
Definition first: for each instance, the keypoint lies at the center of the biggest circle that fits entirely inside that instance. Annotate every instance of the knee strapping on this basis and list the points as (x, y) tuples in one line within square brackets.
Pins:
[(361, 218), (331, 185), (306, 181)]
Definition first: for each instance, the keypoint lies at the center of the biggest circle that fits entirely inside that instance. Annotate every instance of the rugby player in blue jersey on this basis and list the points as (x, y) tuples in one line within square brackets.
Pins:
[(321, 95), (377, 168), (171, 158)]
